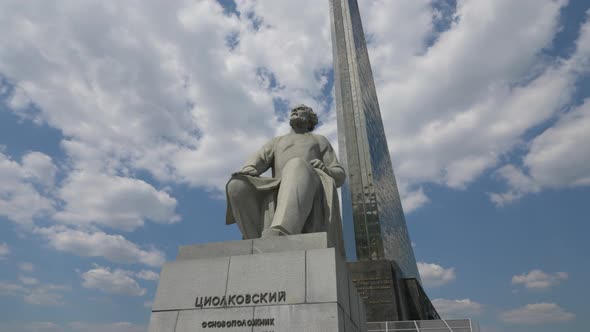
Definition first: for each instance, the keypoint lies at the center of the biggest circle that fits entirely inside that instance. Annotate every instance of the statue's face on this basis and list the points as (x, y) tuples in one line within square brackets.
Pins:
[(299, 118)]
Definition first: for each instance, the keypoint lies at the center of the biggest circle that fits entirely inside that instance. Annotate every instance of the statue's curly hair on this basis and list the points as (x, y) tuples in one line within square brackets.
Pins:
[(313, 118)]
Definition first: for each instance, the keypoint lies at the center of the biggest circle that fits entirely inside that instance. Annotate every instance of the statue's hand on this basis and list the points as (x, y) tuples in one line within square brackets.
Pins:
[(248, 170), (316, 163)]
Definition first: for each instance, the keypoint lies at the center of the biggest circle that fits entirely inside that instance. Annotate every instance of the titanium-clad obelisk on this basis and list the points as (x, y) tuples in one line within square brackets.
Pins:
[(380, 230)]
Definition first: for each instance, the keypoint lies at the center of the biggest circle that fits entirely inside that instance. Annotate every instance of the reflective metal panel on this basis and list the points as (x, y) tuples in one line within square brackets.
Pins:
[(377, 217)]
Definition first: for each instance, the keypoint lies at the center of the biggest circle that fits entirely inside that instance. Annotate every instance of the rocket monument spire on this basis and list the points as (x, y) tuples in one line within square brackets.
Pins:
[(371, 203)]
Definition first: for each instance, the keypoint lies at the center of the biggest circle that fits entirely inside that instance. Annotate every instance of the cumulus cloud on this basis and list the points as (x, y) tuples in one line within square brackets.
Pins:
[(27, 193), (99, 244), (31, 327), (115, 281), (8, 289), (434, 275), (539, 280), (39, 167), (20, 201), (457, 308), (137, 97), (4, 250), (43, 327), (548, 151), (537, 313), (555, 159), (197, 80), (436, 98), (113, 201), (414, 200), (46, 295), (488, 328), (26, 266), (111, 327), (518, 181), (36, 293), (71, 327), (147, 275), (167, 113), (28, 280)]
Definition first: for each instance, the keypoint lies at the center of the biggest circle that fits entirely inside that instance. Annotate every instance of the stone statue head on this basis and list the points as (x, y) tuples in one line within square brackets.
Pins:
[(303, 117)]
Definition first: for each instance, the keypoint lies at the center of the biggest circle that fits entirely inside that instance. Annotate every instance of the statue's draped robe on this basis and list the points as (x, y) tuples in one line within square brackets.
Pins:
[(325, 213)]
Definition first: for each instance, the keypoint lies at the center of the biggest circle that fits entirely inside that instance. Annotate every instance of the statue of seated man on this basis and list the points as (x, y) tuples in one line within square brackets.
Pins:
[(301, 195)]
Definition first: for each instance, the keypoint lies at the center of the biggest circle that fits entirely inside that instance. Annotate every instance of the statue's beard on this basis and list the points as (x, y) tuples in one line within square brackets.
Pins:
[(297, 122)]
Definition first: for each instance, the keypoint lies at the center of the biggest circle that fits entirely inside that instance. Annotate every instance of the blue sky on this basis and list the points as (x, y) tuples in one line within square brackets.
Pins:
[(121, 122)]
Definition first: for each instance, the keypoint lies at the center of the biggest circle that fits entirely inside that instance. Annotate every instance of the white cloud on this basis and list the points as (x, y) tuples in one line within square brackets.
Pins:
[(413, 200), (111, 327), (147, 275), (119, 113), (39, 167), (137, 96), (539, 280), (26, 266), (555, 159), (116, 281), (46, 295), (126, 109), (20, 201), (306, 43), (457, 308), (44, 326), (28, 280), (448, 117), (20, 103), (99, 244), (8, 289), (537, 313), (113, 201), (71, 327), (31, 327), (36, 293), (434, 275), (117, 202), (4, 250), (516, 179), (488, 328)]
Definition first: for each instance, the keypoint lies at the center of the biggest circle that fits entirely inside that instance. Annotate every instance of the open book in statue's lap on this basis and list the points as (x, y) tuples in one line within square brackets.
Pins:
[(300, 197)]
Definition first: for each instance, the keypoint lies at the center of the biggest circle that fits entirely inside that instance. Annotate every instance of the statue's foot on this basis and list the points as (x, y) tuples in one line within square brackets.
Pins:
[(273, 232)]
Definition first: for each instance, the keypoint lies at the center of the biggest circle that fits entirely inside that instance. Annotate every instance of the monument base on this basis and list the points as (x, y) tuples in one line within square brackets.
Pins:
[(387, 295), (290, 283)]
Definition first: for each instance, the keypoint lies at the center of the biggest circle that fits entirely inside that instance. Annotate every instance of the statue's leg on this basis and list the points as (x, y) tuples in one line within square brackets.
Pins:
[(245, 205), (299, 185)]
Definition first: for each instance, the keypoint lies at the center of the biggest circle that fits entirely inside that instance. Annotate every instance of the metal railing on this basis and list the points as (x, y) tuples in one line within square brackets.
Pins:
[(439, 325)]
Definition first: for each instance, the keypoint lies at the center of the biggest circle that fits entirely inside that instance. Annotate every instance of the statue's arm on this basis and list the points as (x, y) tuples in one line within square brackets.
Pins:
[(338, 174), (331, 162), (261, 161)]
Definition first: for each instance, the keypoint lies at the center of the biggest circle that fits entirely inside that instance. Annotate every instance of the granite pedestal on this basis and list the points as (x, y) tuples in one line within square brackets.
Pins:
[(290, 283)]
